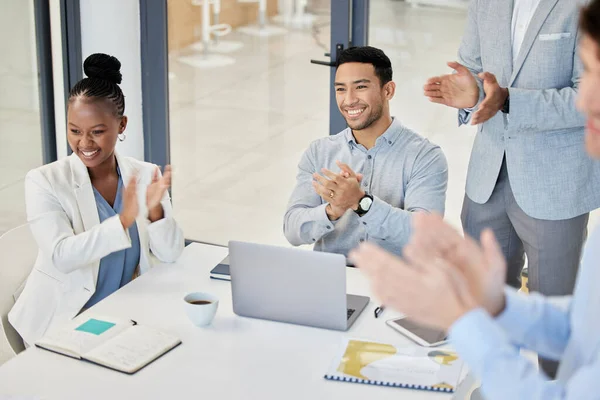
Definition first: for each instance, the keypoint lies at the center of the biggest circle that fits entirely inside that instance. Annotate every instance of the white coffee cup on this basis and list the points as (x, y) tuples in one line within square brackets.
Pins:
[(201, 314)]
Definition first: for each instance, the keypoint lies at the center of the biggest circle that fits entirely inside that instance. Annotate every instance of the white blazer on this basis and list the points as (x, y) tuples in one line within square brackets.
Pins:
[(62, 214)]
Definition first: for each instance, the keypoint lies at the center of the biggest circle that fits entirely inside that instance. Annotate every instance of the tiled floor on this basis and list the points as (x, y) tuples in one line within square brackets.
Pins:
[(238, 132)]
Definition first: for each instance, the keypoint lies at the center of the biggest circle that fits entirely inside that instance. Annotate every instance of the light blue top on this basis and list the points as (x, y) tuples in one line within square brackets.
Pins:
[(403, 172), (565, 329), (116, 269)]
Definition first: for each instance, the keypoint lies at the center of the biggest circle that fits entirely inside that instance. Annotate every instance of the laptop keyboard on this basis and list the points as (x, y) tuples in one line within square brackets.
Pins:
[(350, 312)]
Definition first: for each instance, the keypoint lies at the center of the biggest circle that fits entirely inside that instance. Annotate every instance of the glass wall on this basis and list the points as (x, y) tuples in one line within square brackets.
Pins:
[(242, 113), (420, 37), (20, 132), (244, 109)]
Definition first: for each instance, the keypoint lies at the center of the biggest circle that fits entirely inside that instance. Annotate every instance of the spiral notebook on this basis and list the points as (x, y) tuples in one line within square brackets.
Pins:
[(381, 364)]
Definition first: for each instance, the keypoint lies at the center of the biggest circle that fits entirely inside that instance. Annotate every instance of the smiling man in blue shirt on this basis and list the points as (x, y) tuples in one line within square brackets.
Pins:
[(365, 182), (453, 283)]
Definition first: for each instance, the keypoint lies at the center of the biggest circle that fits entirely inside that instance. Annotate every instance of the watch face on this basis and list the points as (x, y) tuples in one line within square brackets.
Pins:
[(365, 203)]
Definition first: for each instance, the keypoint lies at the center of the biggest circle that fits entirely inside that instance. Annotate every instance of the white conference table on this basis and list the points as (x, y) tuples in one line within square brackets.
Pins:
[(234, 358)]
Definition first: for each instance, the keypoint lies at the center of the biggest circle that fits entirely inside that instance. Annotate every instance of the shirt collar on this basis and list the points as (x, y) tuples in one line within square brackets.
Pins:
[(349, 137), (389, 137), (392, 133)]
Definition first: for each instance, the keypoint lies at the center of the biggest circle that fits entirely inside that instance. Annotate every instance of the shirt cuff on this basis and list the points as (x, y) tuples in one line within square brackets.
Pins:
[(464, 117), (327, 220), (377, 214), (164, 222), (474, 336), (465, 114), (121, 237), (514, 311), (323, 225)]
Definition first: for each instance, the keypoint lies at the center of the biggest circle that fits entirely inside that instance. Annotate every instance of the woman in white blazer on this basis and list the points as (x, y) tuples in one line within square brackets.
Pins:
[(97, 217)]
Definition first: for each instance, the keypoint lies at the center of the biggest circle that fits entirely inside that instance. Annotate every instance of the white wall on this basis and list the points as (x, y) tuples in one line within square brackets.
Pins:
[(113, 27), (18, 65)]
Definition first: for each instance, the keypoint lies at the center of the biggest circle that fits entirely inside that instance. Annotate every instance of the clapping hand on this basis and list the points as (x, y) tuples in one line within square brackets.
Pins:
[(441, 275), (342, 191), (156, 191), (457, 90)]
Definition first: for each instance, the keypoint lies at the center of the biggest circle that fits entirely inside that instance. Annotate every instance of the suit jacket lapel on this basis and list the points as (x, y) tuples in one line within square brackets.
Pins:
[(539, 17), (127, 171), (86, 203)]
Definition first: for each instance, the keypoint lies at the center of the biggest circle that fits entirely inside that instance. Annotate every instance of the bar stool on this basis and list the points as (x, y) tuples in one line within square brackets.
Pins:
[(294, 14), (261, 29), (208, 58), (211, 34)]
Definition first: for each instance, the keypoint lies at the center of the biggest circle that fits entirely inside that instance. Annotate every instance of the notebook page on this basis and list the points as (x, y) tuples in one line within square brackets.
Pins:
[(133, 349), (402, 369), (82, 335)]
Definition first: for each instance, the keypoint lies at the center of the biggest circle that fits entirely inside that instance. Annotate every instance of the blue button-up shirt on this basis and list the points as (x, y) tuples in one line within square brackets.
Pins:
[(565, 329), (403, 172), (116, 269)]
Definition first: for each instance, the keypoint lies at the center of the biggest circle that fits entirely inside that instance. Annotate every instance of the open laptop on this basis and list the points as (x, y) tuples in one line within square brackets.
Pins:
[(292, 285)]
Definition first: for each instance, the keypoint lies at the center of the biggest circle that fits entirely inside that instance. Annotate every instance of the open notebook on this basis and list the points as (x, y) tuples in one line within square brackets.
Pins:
[(119, 345), (382, 364)]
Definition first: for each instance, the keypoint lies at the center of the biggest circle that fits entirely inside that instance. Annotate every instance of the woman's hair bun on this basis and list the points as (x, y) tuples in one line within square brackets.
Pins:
[(103, 66)]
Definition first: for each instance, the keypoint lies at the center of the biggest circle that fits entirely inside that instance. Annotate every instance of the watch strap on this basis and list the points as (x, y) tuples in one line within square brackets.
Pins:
[(360, 211)]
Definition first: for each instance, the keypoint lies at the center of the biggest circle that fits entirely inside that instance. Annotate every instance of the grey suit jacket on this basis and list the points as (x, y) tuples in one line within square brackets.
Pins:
[(550, 173)]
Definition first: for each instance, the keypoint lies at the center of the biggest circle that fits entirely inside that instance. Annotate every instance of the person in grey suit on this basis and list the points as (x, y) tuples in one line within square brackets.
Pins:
[(528, 179), (450, 282)]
